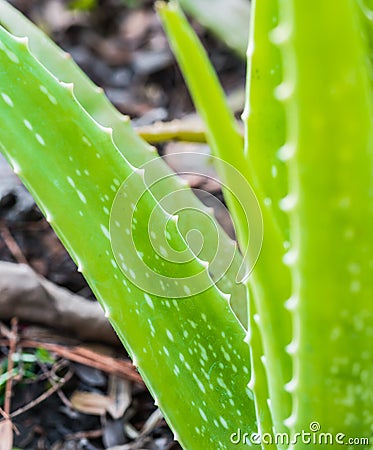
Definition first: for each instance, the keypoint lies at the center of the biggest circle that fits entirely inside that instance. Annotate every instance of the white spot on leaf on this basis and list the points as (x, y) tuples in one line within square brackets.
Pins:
[(81, 196), (27, 124), (39, 139), (7, 99)]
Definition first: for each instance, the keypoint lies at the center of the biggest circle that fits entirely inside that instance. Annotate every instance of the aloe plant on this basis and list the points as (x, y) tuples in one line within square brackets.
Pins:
[(269, 355), (88, 157)]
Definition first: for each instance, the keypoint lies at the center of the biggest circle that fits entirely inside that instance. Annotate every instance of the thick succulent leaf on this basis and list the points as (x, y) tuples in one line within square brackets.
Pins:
[(258, 382), (191, 351), (270, 277), (264, 115), (327, 93), (224, 265), (221, 129), (366, 10), (264, 119)]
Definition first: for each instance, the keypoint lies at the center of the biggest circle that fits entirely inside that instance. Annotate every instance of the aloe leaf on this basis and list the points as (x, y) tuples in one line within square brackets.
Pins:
[(264, 115), (258, 382), (227, 19), (264, 119), (98, 106), (366, 15), (270, 277), (203, 83), (366, 9), (221, 129), (327, 94), (191, 348)]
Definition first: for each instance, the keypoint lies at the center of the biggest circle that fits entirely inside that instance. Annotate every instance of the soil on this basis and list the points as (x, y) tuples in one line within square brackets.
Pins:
[(121, 46)]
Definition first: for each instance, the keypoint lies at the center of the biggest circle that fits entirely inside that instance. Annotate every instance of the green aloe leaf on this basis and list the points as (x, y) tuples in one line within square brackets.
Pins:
[(221, 128), (366, 9), (309, 156), (264, 115), (265, 151), (270, 278), (186, 348), (327, 94), (98, 106), (258, 382)]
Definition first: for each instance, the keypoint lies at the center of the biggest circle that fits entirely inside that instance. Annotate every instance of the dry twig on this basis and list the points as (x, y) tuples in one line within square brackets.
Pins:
[(89, 357), (43, 396), (11, 243), (12, 349), (83, 355)]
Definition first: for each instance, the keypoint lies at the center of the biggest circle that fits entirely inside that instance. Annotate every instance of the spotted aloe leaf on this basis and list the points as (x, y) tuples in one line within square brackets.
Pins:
[(99, 107), (222, 134), (269, 298), (309, 161), (265, 152), (366, 14), (190, 350), (303, 94), (311, 320), (326, 87)]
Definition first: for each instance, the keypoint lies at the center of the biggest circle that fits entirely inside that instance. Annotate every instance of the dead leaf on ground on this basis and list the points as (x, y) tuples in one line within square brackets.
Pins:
[(90, 403), (120, 394), (115, 403)]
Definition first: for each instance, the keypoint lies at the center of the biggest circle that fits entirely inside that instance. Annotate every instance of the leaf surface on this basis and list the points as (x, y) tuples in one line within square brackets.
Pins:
[(190, 348)]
